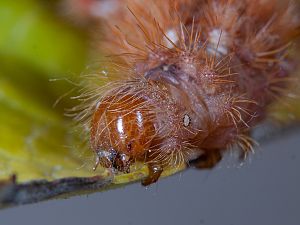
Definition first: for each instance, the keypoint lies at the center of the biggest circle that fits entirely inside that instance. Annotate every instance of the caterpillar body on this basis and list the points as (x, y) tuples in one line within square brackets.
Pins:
[(187, 80)]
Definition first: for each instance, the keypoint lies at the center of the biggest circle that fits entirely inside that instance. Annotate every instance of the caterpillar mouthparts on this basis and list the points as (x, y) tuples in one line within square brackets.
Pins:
[(192, 79)]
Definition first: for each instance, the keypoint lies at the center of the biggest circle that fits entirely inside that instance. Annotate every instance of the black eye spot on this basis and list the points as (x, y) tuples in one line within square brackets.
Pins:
[(186, 120)]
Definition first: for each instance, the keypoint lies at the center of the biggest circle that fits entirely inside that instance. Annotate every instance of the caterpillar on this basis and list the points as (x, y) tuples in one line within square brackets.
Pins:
[(186, 80)]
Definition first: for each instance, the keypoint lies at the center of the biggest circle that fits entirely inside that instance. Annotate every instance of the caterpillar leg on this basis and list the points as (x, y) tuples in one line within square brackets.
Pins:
[(207, 160), (154, 174)]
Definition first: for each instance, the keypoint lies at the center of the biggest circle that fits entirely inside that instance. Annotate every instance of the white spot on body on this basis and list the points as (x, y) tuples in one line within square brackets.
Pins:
[(120, 125), (139, 117), (186, 120), (218, 42), (172, 36)]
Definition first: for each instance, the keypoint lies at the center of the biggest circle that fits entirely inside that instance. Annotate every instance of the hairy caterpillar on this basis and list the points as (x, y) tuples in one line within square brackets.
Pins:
[(187, 80)]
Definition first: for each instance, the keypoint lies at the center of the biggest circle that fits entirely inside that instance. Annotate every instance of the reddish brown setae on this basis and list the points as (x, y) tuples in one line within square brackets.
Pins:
[(189, 80)]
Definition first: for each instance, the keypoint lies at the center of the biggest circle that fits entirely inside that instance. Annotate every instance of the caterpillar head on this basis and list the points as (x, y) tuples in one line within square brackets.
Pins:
[(121, 130), (142, 124)]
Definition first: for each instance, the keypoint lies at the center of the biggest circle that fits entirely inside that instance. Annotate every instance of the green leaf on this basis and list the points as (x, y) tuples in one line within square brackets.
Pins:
[(32, 35)]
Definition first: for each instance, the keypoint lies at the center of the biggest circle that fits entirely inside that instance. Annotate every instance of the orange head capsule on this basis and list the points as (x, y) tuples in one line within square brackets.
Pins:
[(121, 131)]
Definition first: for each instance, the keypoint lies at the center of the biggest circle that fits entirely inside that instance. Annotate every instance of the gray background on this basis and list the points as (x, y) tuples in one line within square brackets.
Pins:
[(265, 191)]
